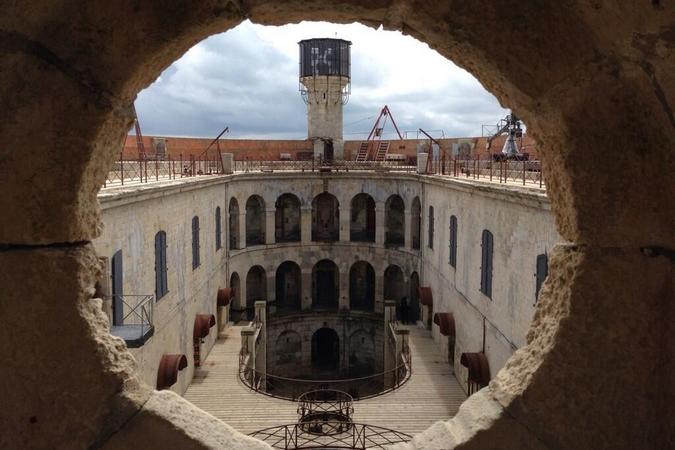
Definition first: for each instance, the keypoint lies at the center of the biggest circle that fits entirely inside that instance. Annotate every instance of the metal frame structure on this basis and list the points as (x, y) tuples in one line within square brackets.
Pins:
[(375, 137)]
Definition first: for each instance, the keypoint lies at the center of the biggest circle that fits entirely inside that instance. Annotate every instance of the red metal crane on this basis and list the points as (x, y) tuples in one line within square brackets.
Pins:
[(375, 139)]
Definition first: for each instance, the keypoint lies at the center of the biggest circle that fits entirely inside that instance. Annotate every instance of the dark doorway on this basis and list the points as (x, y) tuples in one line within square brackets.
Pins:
[(233, 220), (325, 351), (362, 224), (255, 221), (287, 219), (394, 289), (117, 275), (325, 218), (414, 297), (416, 223), (395, 222), (288, 287), (256, 289), (328, 151), (362, 287), (325, 285)]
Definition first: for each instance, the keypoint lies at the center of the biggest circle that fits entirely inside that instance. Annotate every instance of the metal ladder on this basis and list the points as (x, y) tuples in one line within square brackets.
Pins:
[(382, 149), (362, 155)]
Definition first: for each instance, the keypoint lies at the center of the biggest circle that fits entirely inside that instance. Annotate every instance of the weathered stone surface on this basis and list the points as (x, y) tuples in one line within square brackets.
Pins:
[(169, 421), (65, 381)]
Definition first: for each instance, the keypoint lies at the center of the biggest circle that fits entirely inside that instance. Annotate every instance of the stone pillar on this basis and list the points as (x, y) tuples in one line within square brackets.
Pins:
[(242, 229), (408, 229), (306, 224), (306, 288), (261, 342), (270, 226), (380, 225), (345, 220)]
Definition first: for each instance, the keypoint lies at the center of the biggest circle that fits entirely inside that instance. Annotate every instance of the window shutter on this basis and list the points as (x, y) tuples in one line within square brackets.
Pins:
[(489, 266), (165, 266), (452, 257), (158, 265), (486, 263)]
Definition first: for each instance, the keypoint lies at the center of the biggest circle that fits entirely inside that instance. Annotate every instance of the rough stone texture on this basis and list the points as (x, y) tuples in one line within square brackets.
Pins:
[(169, 421), (594, 81), (65, 380)]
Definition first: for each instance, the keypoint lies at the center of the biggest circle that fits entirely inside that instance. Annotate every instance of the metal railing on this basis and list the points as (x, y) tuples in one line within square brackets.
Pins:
[(325, 405), (136, 323), (501, 171), (330, 435), (358, 388), (313, 165)]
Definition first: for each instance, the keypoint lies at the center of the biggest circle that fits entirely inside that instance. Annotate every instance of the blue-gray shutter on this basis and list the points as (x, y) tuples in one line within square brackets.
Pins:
[(117, 288), (431, 227), (195, 242), (542, 272), (486, 264), (218, 233), (158, 266), (452, 257)]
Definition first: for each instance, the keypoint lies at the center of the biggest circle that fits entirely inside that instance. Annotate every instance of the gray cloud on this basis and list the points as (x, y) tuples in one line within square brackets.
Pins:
[(239, 80)]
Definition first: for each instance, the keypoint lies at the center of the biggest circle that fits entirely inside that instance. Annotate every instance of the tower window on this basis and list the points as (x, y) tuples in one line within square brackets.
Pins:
[(161, 283), (486, 264), (195, 242), (452, 250)]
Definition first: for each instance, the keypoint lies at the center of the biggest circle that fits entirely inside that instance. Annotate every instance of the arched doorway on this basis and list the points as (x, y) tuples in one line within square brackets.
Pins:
[(255, 221), (325, 218), (233, 218), (394, 221), (362, 223), (287, 219), (325, 285), (362, 286), (416, 222), (325, 352), (235, 304), (394, 289), (288, 282), (414, 296), (256, 289)]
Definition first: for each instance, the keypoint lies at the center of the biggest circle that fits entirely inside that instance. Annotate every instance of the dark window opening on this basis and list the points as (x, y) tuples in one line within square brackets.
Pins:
[(256, 289), (117, 275), (362, 287), (233, 213), (325, 218), (452, 250), (486, 264), (287, 219), (431, 227), (218, 230), (362, 224), (325, 285), (542, 272), (195, 243), (255, 221), (288, 287), (395, 222), (161, 282), (325, 352)]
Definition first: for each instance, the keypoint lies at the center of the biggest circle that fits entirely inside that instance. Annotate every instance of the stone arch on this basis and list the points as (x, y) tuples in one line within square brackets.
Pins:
[(287, 218), (325, 218), (287, 354), (394, 216), (362, 223), (416, 223), (325, 285), (255, 221), (288, 287), (578, 51), (256, 289), (361, 354), (395, 289), (362, 286), (233, 223)]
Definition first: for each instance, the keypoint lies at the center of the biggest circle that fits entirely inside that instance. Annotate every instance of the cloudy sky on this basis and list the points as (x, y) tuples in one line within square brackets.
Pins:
[(247, 79)]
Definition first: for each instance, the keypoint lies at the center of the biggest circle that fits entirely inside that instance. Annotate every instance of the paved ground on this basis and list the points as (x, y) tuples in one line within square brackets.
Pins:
[(430, 395)]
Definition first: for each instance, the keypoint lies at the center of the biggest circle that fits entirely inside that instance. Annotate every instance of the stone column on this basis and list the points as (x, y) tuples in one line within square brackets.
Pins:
[(242, 229), (306, 224), (306, 288), (380, 225), (270, 226), (408, 229), (345, 219)]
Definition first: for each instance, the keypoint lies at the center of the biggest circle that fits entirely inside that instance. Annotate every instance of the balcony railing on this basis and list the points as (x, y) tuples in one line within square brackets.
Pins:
[(136, 325)]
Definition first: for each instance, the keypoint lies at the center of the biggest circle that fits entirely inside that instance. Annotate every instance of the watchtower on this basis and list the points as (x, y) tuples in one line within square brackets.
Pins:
[(325, 74)]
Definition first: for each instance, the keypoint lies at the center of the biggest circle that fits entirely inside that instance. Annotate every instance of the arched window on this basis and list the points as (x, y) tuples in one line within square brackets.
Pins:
[(414, 313), (452, 245), (542, 272), (233, 213), (256, 289), (431, 227), (218, 229), (235, 305), (195, 242), (288, 283), (395, 221), (394, 289), (255, 221), (161, 282), (486, 264), (325, 218), (362, 224), (287, 219), (325, 285), (362, 286), (416, 223)]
